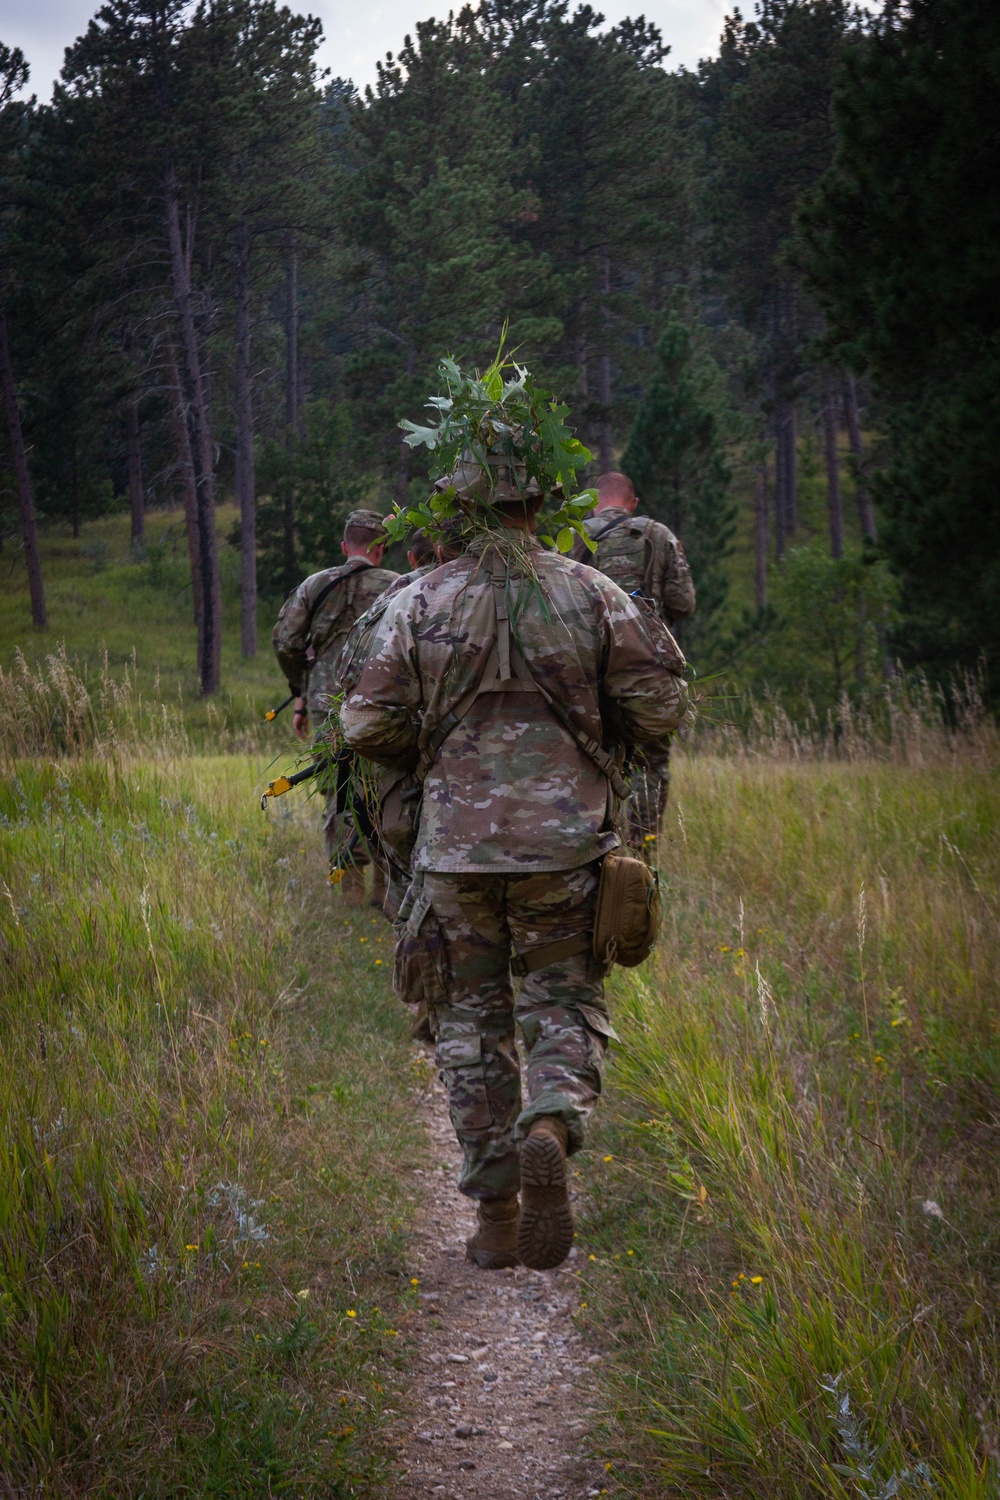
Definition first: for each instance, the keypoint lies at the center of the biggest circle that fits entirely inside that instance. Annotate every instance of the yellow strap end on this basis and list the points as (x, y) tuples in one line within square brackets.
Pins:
[(272, 713)]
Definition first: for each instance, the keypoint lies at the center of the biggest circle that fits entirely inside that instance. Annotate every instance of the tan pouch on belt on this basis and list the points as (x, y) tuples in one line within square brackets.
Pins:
[(627, 922)]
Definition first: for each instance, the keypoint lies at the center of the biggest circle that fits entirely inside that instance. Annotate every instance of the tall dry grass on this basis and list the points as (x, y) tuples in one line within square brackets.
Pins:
[(61, 706), (907, 720), (204, 1124), (797, 1230)]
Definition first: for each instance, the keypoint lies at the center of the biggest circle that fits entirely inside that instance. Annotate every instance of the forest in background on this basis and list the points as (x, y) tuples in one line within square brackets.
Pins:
[(768, 288)]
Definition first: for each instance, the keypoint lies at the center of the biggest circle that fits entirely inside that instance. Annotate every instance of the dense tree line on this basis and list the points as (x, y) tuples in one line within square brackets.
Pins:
[(223, 276)]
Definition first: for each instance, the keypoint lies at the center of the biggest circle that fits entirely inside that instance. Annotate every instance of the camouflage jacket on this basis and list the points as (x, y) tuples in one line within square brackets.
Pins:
[(641, 554), (362, 634), (315, 621), (509, 787)]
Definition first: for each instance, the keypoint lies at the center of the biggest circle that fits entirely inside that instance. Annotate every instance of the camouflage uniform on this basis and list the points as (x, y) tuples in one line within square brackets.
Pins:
[(643, 555), (514, 818), (309, 638)]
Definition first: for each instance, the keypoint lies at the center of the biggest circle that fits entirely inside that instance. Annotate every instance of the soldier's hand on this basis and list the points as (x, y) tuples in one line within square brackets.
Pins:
[(300, 719)]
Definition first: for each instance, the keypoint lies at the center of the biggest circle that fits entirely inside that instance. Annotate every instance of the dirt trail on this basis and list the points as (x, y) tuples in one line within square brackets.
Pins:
[(499, 1398)]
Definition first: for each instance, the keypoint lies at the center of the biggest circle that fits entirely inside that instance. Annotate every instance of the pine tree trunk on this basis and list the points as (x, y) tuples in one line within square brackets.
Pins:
[(866, 511), (196, 402), (136, 499), (835, 505), (22, 478), (780, 488), (290, 566), (761, 538), (604, 446), (189, 489), (246, 497), (790, 439)]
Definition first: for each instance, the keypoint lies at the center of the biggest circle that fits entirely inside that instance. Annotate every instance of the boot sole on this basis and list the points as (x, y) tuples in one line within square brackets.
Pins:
[(545, 1233)]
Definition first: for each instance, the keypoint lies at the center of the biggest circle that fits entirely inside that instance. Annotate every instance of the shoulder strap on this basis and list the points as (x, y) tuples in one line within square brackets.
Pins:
[(323, 594), (342, 573), (605, 530), (647, 576), (498, 677)]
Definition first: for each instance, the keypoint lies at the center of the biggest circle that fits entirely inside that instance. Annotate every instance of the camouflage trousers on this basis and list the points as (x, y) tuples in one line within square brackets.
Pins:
[(560, 1011), (337, 830), (650, 777)]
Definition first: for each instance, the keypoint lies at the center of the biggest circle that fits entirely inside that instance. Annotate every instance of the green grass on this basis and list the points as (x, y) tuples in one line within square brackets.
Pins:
[(802, 1131), (206, 1109), (135, 612)]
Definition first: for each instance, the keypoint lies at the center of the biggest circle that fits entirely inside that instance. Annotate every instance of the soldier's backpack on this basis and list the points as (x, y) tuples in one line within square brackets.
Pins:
[(320, 630), (624, 553)]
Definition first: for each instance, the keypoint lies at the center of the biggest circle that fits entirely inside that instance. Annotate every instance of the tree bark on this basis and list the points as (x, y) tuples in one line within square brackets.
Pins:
[(605, 449), (760, 538), (866, 511), (22, 478), (290, 566), (189, 489), (197, 415), (246, 497), (780, 502), (136, 498), (835, 505)]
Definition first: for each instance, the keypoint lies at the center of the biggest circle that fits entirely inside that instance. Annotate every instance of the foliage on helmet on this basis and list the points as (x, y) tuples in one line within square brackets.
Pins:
[(498, 437)]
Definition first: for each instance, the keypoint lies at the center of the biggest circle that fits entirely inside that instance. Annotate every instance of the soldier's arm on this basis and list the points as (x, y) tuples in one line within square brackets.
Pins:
[(643, 690), (676, 586), (379, 719), (289, 637)]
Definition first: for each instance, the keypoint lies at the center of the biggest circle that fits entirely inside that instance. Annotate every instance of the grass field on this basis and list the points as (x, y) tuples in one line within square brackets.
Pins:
[(795, 1191), (107, 605), (206, 1111), (205, 1118)]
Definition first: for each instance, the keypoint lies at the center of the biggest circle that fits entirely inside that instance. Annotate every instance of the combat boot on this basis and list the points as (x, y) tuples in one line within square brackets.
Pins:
[(545, 1233), (494, 1244), (352, 886)]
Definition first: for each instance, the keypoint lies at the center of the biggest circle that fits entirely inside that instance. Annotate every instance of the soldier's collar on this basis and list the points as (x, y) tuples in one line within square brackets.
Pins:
[(479, 544)]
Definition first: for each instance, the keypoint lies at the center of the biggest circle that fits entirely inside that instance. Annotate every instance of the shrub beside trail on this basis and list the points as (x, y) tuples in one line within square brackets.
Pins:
[(795, 1193)]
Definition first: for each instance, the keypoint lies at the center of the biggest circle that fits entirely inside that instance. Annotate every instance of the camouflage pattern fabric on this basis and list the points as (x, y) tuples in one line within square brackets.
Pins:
[(641, 554), (510, 789), (308, 641), (650, 778), (560, 1011)]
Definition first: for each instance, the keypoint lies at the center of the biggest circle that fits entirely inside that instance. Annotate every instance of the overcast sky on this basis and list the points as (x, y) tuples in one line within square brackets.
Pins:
[(356, 35)]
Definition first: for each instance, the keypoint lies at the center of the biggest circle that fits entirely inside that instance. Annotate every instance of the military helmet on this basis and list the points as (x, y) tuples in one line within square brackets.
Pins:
[(507, 483), (366, 520)]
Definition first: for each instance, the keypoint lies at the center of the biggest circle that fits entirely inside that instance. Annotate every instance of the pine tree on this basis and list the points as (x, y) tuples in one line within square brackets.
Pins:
[(900, 244), (675, 457), (14, 123)]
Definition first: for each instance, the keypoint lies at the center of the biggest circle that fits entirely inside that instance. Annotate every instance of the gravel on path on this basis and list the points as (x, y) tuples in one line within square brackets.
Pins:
[(500, 1403)]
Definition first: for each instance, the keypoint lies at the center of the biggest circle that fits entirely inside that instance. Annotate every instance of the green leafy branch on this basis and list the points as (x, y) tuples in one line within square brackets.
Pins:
[(496, 432)]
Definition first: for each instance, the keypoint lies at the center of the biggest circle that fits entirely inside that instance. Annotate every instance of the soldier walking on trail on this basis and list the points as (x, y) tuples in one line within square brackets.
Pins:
[(499, 679), (308, 640), (644, 558)]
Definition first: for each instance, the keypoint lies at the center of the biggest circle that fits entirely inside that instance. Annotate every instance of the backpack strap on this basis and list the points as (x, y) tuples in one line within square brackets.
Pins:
[(498, 677), (606, 530), (342, 573)]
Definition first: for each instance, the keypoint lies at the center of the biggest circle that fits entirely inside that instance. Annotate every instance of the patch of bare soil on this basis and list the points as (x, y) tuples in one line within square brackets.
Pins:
[(500, 1402)]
